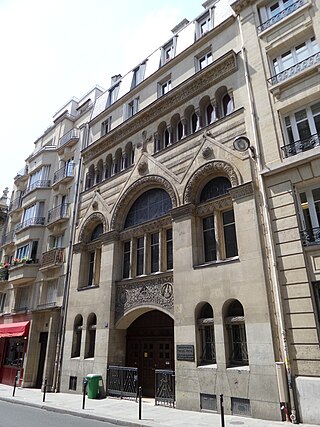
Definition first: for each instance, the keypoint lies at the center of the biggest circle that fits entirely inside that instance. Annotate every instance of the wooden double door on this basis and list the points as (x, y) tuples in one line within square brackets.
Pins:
[(150, 347)]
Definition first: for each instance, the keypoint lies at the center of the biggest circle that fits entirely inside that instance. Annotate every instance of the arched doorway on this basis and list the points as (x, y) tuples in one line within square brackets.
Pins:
[(150, 347)]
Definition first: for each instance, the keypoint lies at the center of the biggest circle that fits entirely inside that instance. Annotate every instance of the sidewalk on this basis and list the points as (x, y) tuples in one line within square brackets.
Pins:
[(125, 413)]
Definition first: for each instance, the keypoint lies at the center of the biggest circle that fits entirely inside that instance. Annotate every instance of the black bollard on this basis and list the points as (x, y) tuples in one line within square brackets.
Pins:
[(140, 402), (44, 390), (15, 385), (85, 383), (222, 410)]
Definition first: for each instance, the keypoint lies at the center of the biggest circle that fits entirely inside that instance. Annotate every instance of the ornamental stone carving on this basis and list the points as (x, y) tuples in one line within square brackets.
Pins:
[(207, 153), (142, 167), (241, 191), (216, 168), (154, 291), (145, 183), (89, 224)]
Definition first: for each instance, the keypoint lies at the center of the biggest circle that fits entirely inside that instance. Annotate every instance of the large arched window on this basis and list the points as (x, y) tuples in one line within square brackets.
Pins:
[(237, 351), (205, 321), (218, 229), (77, 334), (149, 251), (90, 335)]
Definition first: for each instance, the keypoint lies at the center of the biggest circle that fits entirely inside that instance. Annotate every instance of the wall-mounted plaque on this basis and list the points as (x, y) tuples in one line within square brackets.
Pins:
[(185, 352)]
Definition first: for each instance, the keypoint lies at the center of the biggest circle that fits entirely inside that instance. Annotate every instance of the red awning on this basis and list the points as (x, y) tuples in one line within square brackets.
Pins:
[(19, 329)]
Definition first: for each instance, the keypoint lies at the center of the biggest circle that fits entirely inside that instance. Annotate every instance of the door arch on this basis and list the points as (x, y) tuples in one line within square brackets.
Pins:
[(149, 346)]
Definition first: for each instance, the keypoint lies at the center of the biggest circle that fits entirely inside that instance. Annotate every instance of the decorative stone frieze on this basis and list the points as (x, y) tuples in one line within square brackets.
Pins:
[(88, 225), (110, 236), (214, 205), (92, 246), (212, 168), (78, 247), (241, 191), (154, 225), (215, 72), (157, 291), (133, 191)]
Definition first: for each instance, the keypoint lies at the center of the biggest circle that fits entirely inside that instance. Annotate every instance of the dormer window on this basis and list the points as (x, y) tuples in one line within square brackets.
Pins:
[(204, 24), (138, 75), (168, 51), (113, 95)]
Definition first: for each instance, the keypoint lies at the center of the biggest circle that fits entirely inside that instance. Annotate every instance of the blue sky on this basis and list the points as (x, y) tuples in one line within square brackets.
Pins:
[(52, 51)]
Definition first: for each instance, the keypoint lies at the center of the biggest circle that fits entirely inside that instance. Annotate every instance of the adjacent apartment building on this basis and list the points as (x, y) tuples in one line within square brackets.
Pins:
[(36, 252)]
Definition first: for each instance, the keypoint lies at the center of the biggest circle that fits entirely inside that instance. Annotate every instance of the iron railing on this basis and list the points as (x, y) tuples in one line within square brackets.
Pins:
[(64, 172), (16, 203), (42, 183), (310, 236), (9, 237), (122, 381), (300, 146), (295, 69), (38, 220), (59, 212), (72, 135), (164, 387), (53, 257), (4, 273), (279, 16)]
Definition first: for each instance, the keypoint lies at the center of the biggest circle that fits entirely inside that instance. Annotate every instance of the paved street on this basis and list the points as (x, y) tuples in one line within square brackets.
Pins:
[(13, 415)]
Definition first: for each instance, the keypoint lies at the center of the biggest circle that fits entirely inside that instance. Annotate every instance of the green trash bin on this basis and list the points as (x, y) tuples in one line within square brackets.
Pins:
[(93, 385)]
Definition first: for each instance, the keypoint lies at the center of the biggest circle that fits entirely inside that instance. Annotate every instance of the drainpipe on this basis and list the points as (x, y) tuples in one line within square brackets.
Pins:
[(64, 307), (267, 223)]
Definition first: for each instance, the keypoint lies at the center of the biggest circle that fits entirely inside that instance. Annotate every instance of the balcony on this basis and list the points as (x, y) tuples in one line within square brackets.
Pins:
[(58, 214), (301, 146), (307, 63), (43, 183), (281, 15), (9, 238), (52, 258), (63, 175), (310, 236), (36, 221), (70, 138), (16, 203), (23, 273)]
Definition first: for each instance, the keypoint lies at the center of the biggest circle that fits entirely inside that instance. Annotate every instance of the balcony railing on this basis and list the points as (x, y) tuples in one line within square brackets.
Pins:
[(301, 146), (59, 212), (38, 220), (279, 16), (310, 236), (43, 183), (72, 135), (16, 203), (9, 237), (295, 69), (4, 273), (64, 172), (52, 257)]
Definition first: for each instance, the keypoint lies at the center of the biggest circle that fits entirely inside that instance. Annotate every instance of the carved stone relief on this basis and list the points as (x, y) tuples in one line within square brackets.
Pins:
[(88, 225)]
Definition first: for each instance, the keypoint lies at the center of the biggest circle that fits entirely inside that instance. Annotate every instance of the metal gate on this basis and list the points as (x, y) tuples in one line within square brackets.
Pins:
[(122, 382), (164, 387)]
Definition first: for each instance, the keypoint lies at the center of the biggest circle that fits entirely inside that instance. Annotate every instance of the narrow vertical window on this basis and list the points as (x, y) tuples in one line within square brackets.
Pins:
[(126, 260), (91, 268), (140, 256), (154, 246), (229, 230), (209, 240), (169, 249)]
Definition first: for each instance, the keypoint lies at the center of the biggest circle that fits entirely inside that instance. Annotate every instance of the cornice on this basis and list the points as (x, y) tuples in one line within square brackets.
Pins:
[(241, 191), (215, 72), (182, 212)]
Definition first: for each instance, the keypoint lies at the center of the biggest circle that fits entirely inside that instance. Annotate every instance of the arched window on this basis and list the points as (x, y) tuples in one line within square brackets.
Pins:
[(235, 324), (149, 252), (99, 173), (206, 331), (91, 260), (214, 188), (150, 205), (179, 130), (194, 123), (227, 105), (77, 334), (108, 169), (218, 229), (90, 177), (91, 335)]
